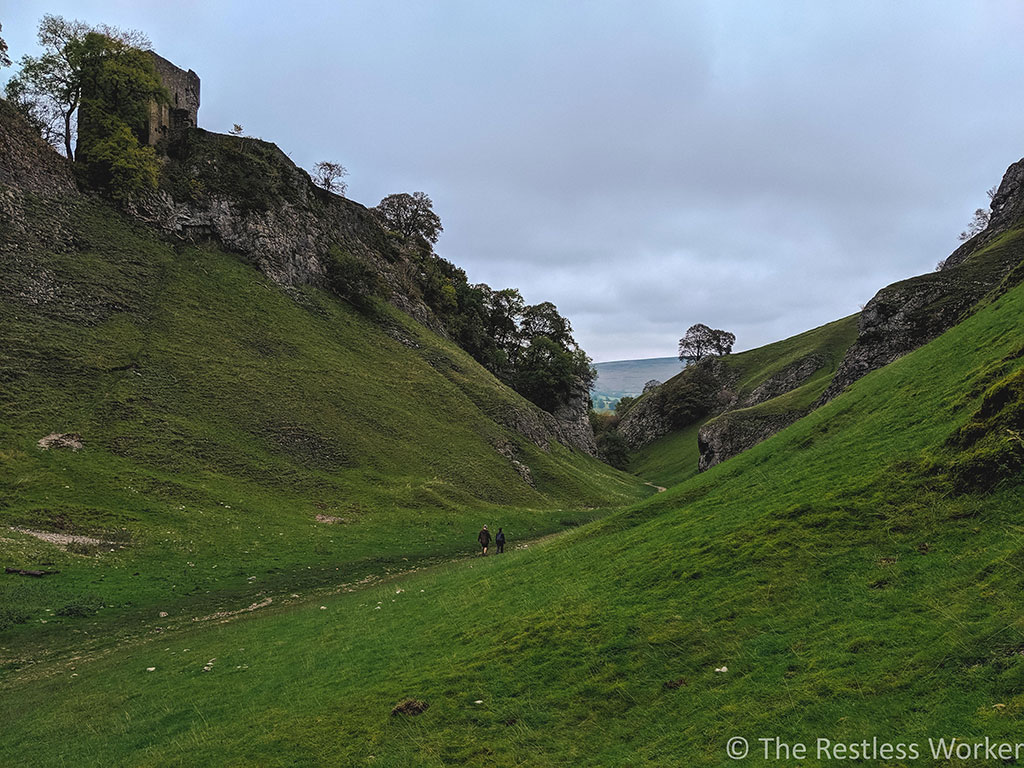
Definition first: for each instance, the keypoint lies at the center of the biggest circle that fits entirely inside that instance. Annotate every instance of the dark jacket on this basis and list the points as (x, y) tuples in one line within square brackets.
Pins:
[(484, 538), (499, 538)]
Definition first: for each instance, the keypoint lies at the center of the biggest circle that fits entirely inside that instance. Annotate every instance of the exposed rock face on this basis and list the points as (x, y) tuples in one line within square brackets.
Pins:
[(27, 163), (1007, 208), (738, 430), (701, 388), (733, 433), (906, 315), (786, 380), (509, 452), (572, 422), (284, 224), (644, 423)]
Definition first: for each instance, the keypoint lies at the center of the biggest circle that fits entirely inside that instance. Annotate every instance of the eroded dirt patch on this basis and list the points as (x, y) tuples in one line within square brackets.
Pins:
[(64, 539), (71, 440)]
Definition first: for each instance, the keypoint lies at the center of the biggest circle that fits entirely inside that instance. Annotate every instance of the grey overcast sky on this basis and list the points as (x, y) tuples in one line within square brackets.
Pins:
[(761, 166)]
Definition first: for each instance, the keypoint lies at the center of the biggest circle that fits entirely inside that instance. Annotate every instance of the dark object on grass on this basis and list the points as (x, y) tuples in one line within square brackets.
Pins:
[(671, 685), (22, 572), (411, 707)]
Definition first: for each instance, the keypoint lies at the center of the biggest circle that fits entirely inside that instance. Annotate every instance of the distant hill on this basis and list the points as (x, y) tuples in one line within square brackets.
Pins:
[(621, 378)]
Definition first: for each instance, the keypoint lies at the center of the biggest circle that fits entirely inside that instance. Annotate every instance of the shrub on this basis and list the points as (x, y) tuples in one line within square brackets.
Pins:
[(352, 278)]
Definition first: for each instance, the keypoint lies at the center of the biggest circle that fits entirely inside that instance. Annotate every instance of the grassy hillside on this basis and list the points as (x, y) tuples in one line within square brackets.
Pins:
[(847, 582), (673, 458), (220, 416)]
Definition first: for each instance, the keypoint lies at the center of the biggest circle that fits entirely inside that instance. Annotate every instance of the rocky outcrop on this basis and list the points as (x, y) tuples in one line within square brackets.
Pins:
[(644, 423), (572, 422), (1005, 210), (786, 380), (509, 452), (734, 432), (248, 195), (701, 388), (908, 314), (27, 163)]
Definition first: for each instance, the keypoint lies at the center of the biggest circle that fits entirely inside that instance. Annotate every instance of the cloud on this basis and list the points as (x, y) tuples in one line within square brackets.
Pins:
[(762, 167)]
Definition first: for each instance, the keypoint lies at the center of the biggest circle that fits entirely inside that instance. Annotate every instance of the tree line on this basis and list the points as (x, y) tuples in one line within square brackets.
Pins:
[(529, 347)]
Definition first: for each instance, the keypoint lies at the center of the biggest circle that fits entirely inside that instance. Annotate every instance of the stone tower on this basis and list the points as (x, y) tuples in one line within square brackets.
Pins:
[(170, 121)]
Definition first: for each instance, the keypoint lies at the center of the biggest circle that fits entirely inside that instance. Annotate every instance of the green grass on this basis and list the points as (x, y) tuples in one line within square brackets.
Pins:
[(832, 568), (220, 415), (669, 460)]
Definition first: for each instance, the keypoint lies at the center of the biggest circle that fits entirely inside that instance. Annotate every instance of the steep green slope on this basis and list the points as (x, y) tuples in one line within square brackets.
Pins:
[(750, 375), (835, 574), (221, 415)]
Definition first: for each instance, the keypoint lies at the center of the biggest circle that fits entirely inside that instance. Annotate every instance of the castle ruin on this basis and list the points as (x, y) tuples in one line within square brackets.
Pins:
[(169, 122)]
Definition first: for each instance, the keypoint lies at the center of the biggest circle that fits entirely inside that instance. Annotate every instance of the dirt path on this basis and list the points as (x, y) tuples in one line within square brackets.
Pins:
[(60, 663), (658, 488)]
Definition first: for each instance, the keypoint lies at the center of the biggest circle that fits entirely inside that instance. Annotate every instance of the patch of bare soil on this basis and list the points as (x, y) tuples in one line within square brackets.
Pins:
[(62, 539), (410, 707), (329, 519), (71, 440)]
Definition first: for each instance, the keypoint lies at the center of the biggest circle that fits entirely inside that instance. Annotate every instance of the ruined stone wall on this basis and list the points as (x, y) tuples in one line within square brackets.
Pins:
[(170, 121)]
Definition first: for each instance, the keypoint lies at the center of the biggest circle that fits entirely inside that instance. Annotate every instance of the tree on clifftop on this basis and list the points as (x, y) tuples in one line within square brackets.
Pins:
[(5, 60), (701, 341), (48, 88), (328, 175), (410, 215), (980, 220)]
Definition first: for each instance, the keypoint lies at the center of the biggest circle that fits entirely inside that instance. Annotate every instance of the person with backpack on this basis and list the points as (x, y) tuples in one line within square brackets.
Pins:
[(484, 537), (499, 542)]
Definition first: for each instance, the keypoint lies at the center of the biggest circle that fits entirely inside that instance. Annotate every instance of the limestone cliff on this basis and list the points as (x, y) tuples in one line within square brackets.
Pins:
[(908, 314), (250, 198)]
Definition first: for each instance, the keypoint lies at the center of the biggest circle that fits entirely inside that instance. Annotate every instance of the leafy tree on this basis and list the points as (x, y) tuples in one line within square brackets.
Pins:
[(236, 130), (122, 166), (689, 396), (5, 60), (624, 404), (410, 216), (530, 348), (49, 87), (611, 447), (546, 374), (544, 320), (118, 85), (652, 384), (329, 176), (701, 341)]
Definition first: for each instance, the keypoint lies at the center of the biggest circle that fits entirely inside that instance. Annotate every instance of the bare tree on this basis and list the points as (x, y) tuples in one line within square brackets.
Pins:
[(329, 176), (980, 220), (236, 130), (48, 88)]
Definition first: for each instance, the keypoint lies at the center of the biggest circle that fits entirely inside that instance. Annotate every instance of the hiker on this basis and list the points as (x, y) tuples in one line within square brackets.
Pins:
[(499, 542), (484, 537)]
